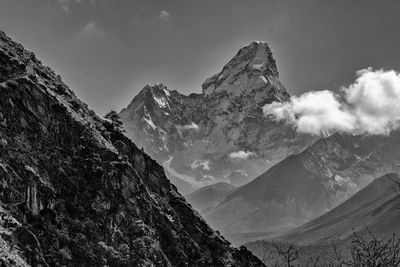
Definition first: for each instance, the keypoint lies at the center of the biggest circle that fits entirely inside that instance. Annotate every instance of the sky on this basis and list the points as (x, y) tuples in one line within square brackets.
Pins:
[(107, 50)]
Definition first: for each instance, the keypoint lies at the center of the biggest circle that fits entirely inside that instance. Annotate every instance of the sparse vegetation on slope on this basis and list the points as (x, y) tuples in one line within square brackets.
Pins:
[(357, 251)]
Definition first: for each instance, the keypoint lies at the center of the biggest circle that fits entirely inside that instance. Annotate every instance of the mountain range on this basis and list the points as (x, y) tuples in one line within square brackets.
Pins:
[(374, 209), (304, 186), (220, 135), (283, 179), (366, 224), (75, 191)]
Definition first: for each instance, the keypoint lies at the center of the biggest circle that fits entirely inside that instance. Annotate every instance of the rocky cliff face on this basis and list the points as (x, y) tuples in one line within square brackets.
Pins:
[(75, 191), (221, 134)]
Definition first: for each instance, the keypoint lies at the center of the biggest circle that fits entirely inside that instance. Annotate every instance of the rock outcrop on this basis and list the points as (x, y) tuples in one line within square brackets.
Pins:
[(75, 191)]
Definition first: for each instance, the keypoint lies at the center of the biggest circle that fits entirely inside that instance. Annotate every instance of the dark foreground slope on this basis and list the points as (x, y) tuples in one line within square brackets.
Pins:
[(376, 208), (75, 191)]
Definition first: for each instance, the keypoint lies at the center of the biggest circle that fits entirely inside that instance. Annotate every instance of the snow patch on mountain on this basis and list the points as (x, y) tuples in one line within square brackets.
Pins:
[(257, 66), (241, 154), (148, 120), (191, 126), (166, 91), (161, 101)]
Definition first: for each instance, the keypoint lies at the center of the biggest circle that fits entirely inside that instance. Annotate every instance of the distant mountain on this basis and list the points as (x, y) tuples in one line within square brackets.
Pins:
[(376, 207), (75, 191), (182, 185), (304, 186), (220, 135), (208, 196)]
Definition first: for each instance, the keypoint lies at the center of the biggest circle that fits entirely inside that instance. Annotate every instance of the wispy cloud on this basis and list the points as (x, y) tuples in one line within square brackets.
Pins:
[(89, 27), (370, 105), (65, 5), (202, 164), (164, 15)]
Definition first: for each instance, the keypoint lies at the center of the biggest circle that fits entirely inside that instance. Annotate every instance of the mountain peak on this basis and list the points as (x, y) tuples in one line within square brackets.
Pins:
[(156, 87), (253, 65), (154, 92)]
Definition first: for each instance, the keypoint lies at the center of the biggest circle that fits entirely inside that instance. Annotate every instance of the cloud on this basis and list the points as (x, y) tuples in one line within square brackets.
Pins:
[(164, 15), (93, 32), (370, 105), (203, 164), (90, 27), (241, 154), (66, 4)]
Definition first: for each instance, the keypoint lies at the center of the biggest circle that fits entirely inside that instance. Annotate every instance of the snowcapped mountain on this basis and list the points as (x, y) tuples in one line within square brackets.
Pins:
[(222, 133)]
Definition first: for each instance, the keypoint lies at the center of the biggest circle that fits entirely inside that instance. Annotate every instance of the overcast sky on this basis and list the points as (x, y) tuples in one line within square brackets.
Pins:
[(107, 50)]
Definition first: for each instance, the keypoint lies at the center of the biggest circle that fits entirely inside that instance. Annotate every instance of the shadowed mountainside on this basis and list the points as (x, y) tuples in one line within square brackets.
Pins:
[(75, 191)]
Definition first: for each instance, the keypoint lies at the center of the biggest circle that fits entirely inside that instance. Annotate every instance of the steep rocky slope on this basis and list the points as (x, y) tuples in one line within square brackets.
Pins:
[(220, 134), (306, 185), (375, 207), (75, 191)]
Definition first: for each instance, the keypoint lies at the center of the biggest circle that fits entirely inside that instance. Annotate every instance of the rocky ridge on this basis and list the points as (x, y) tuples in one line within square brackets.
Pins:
[(75, 190)]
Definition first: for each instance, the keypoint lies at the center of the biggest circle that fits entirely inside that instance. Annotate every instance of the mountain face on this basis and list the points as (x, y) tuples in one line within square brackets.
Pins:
[(208, 196), (306, 185), (75, 191), (375, 207), (220, 134), (223, 135)]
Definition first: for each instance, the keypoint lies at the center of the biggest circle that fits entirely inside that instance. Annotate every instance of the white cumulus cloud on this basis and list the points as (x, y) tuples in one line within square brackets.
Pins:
[(370, 105), (203, 164)]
